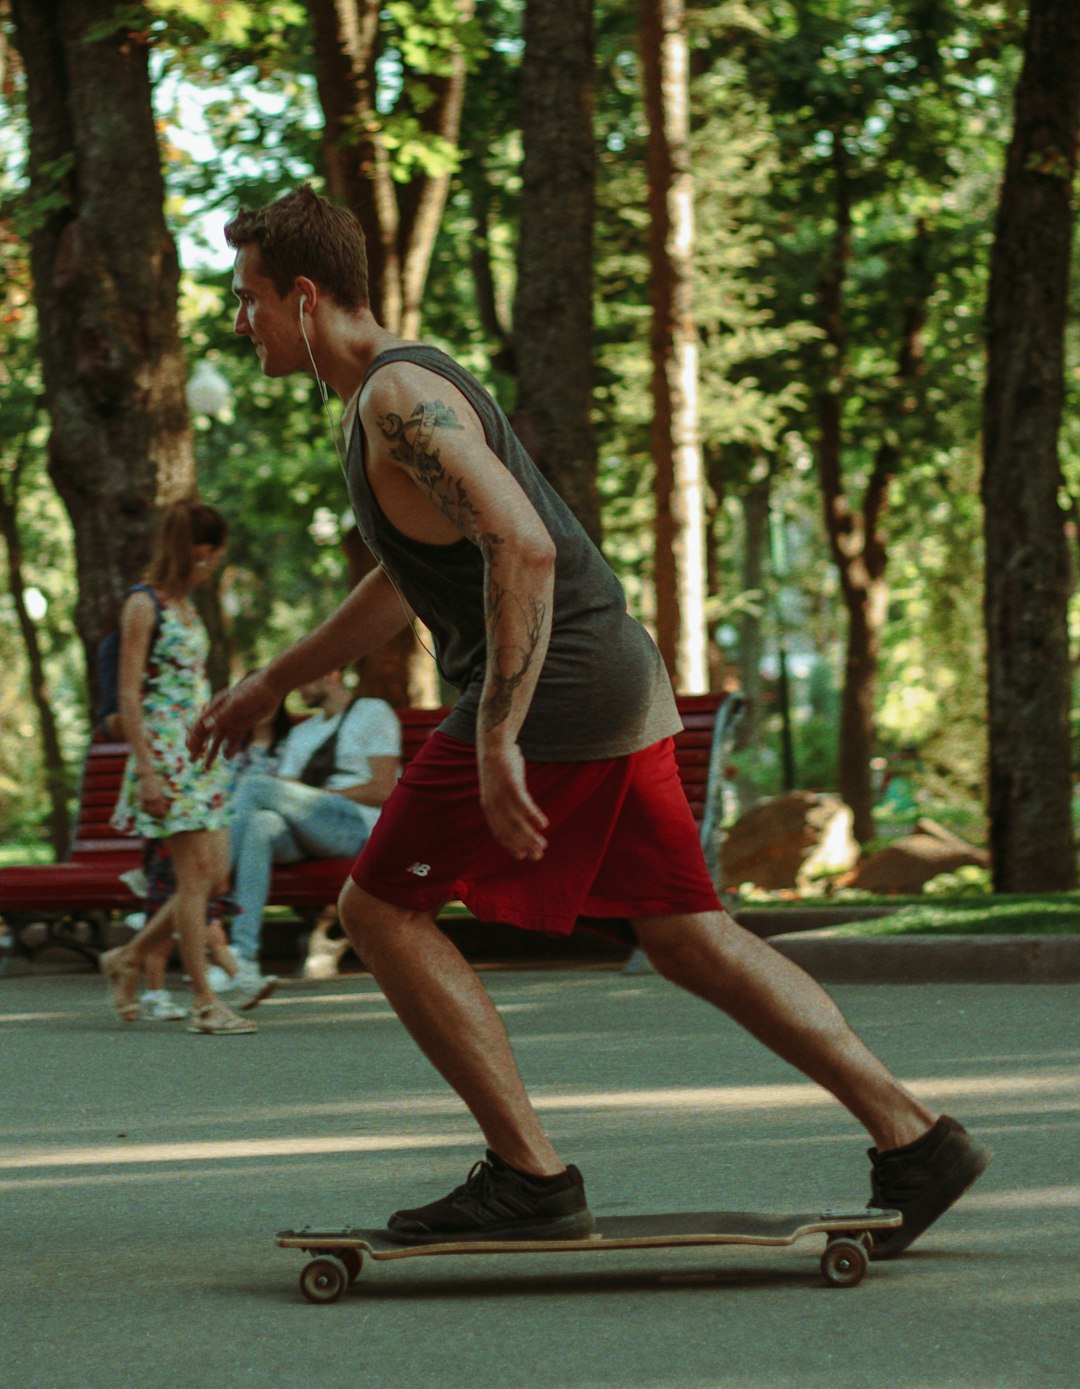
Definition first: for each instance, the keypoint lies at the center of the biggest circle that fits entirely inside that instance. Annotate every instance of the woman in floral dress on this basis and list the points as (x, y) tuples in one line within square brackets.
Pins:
[(164, 794)]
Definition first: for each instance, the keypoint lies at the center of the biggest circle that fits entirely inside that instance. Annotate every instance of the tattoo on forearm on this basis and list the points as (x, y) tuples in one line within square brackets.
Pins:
[(510, 664)]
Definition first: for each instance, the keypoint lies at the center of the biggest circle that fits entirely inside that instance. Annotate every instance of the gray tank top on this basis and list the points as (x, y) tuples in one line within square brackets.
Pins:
[(603, 690)]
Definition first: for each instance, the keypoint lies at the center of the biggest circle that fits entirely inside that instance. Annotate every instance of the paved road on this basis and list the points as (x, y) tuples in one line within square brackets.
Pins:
[(143, 1172)]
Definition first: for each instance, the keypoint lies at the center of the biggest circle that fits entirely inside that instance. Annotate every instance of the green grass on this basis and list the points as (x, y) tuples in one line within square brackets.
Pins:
[(1047, 914), (15, 853)]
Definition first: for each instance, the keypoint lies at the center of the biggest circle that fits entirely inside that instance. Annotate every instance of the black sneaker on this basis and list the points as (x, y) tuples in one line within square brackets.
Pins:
[(498, 1202), (922, 1180)]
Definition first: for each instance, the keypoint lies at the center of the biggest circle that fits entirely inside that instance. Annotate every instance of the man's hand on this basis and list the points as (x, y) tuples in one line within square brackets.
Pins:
[(230, 714), (514, 818)]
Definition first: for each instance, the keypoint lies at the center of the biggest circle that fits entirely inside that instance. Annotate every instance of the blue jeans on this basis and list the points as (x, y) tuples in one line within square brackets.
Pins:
[(276, 821)]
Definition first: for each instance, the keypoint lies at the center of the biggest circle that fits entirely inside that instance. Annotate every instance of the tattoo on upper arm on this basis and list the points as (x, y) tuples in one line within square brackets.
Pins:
[(413, 443)]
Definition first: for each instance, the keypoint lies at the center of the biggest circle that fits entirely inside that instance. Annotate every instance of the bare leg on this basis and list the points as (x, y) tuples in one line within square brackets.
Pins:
[(217, 947), (448, 1012), (201, 858), (716, 959), (155, 964), (123, 965)]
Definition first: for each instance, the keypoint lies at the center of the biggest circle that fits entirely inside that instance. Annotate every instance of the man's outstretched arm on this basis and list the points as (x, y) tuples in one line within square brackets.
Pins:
[(369, 616)]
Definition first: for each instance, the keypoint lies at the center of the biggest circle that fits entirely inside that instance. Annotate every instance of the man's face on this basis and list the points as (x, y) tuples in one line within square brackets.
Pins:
[(271, 322)]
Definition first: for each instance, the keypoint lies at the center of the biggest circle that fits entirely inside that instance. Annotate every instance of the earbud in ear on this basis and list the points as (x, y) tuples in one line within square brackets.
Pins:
[(303, 302)]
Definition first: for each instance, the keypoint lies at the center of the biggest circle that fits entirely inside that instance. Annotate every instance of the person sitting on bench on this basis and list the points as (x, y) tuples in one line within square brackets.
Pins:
[(334, 772)]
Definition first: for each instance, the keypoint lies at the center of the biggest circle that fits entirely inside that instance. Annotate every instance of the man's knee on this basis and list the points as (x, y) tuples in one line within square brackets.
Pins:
[(365, 919), (678, 944)]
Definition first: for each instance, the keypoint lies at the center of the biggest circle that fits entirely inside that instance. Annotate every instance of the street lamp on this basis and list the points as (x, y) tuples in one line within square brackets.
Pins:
[(207, 391)]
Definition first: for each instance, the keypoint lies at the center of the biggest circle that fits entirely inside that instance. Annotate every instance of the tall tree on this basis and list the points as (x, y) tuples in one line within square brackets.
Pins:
[(105, 282), (1027, 564), (56, 777), (679, 484), (873, 116), (392, 167), (553, 306)]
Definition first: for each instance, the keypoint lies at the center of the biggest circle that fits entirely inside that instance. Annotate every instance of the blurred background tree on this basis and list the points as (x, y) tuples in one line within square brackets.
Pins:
[(846, 158)]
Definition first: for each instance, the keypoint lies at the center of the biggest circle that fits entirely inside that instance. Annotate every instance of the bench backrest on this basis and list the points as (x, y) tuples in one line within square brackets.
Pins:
[(102, 772)]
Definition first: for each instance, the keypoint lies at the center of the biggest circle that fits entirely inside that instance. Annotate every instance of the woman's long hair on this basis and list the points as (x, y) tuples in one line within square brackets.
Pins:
[(183, 526)]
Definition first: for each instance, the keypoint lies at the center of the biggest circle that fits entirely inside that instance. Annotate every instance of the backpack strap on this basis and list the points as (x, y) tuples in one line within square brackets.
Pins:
[(322, 763), (158, 605)]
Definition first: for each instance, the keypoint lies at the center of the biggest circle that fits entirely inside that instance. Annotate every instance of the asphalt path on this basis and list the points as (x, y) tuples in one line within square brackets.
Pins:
[(144, 1172)]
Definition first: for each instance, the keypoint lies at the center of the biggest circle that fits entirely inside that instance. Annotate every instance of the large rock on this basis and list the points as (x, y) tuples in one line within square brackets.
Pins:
[(788, 840), (905, 865)]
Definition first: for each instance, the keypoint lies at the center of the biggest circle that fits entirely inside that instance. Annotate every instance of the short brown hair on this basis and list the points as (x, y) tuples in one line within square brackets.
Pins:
[(301, 233)]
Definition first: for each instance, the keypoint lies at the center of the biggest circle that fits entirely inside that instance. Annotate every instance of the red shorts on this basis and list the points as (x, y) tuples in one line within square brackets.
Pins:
[(622, 842)]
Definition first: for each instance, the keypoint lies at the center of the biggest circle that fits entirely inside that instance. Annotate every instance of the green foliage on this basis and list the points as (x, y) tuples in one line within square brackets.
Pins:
[(47, 571), (911, 97), (969, 881), (268, 462), (1056, 914)]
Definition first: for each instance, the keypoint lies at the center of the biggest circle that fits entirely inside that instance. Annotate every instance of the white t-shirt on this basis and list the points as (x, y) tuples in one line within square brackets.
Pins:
[(368, 728)]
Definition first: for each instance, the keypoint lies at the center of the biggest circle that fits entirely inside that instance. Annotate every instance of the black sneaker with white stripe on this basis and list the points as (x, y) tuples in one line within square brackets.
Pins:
[(497, 1202)]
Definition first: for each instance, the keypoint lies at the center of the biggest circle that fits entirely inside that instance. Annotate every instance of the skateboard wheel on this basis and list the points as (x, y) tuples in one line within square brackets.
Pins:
[(844, 1262), (864, 1237), (324, 1279), (353, 1261)]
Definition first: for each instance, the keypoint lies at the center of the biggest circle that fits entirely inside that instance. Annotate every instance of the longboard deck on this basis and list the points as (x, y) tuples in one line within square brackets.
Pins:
[(616, 1232)]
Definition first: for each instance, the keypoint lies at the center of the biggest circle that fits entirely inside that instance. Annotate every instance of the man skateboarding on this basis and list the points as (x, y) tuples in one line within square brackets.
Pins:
[(550, 792)]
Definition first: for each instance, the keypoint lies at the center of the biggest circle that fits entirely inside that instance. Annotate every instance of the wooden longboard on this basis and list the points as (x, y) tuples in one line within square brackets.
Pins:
[(338, 1255)]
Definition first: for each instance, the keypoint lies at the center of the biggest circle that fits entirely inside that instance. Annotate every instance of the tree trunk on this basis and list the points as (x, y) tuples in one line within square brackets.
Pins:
[(679, 564), (488, 308), (55, 772), (105, 283), (1027, 569), (553, 304), (856, 539), (755, 503), (400, 220)]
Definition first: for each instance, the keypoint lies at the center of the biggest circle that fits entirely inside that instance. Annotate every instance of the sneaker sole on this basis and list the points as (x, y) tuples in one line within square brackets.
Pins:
[(225, 1031), (564, 1227), (268, 987), (889, 1244)]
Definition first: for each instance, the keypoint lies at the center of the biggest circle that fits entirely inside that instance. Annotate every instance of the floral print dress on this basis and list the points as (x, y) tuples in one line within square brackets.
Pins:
[(175, 688)]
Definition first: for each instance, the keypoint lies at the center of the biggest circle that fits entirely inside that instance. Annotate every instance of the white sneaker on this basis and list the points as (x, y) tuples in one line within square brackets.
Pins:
[(252, 985), (252, 992), (158, 1006), (248, 973), (220, 980)]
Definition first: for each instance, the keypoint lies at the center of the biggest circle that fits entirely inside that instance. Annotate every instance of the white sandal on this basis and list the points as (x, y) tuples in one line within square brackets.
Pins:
[(219, 1021)]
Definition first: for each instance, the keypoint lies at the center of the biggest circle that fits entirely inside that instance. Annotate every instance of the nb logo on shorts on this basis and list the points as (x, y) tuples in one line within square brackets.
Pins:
[(420, 870)]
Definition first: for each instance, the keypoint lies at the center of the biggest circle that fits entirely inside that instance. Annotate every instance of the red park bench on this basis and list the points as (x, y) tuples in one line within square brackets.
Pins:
[(70, 904)]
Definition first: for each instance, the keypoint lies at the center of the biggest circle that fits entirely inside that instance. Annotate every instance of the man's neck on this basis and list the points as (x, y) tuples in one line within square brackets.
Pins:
[(349, 354)]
